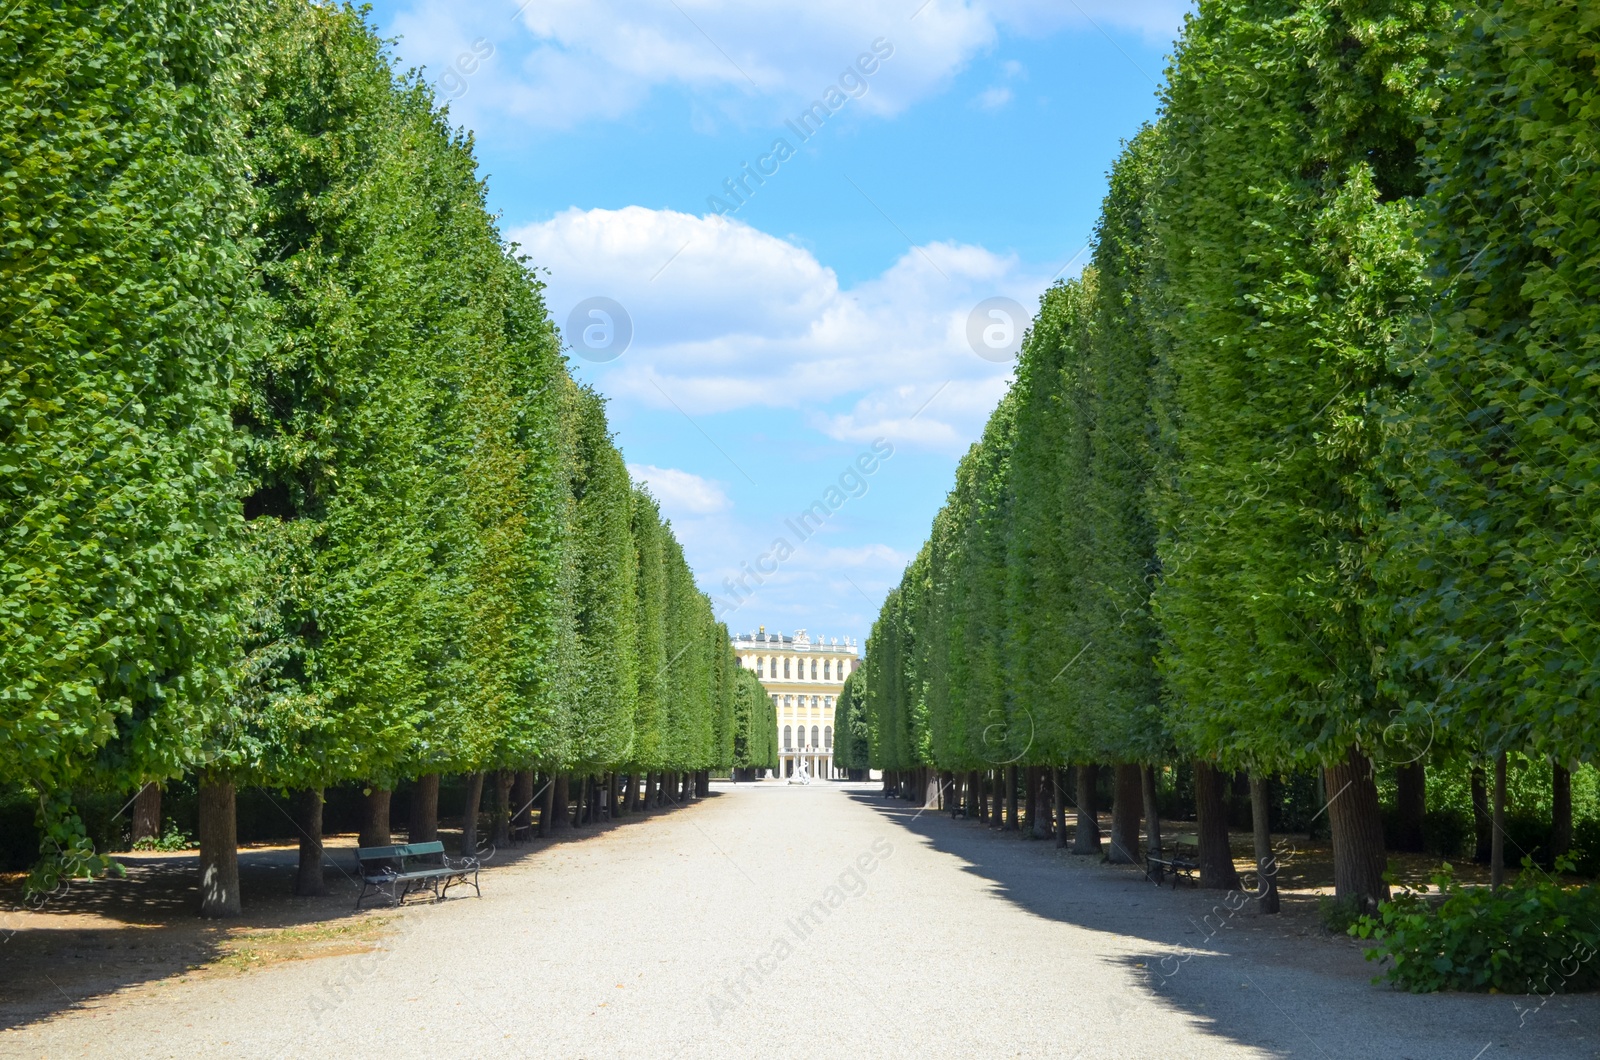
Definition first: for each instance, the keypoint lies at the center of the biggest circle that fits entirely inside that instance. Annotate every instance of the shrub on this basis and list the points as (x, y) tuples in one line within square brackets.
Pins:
[(1534, 936), (174, 839)]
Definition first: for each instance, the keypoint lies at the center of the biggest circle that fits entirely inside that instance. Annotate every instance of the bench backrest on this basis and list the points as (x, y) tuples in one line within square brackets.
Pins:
[(399, 855)]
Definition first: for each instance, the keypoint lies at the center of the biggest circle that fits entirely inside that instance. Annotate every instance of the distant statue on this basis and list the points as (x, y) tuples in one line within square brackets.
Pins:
[(800, 774)]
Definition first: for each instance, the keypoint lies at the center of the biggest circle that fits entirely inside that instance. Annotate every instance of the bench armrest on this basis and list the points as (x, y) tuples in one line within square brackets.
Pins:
[(463, 864)]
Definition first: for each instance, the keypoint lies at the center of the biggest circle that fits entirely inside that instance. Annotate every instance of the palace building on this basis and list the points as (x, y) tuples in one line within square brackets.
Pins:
[(804, 678)]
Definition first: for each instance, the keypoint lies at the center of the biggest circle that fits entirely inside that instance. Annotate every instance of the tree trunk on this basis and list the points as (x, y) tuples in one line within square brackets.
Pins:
[(1039, 804), (219, 848), (147, 812), (308, 818), (639, 793), (1011, 824), (500, 829), (1497, 843), (1152, 819), (469, 814), (974, 794), (1087, 838), (561, 804), (1058, 801), (375, 818), (1266, 861), (522, 802), (1127, 806), (624, 794), (653, 791), (1211, 823), (703, 785), (1482, 824), (424, 810), (1411, 804), (1560, 811), (547, 808), (1355, 821)]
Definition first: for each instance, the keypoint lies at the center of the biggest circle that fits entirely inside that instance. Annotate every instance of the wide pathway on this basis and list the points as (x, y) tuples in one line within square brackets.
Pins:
[(775, 920)]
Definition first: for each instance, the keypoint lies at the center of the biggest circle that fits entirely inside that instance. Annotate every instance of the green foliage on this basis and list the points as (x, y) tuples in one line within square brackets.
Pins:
[(174, 838), (1533, 936), (851, 749), (755, 720), (1497, 459), (1287, 272), (124, 302)]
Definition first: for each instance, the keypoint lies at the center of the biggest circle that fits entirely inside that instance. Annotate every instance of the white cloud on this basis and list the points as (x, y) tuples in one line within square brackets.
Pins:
[(566, 61), (728, 317), (994, 98), (680, 492)]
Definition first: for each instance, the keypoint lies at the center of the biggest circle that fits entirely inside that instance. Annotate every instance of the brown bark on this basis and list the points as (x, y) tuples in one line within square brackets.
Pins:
[(1058, 802), (547, 807), (375, 818), (702, 784), (1152, 816), (653, 791), (1086, 838), (1560, 810), (1266, 861), (1497, 842), (1038, 806), (219, 848), (1411, 804), (561, 804), (424, 827), (147, 812), (1355, 821), (308, 819), (1127, 806), (1482, 824), (469, 814), (1211, 824), (522, 802), (500, 827)]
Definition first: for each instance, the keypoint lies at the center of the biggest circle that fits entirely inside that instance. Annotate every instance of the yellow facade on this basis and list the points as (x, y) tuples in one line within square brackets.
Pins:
[(804, 678)]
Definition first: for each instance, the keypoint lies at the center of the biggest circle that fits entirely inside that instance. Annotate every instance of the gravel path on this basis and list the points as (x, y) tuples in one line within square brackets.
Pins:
[(786, 921)]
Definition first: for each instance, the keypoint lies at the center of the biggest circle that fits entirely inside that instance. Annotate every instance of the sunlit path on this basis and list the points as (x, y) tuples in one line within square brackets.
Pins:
[(781, 920)]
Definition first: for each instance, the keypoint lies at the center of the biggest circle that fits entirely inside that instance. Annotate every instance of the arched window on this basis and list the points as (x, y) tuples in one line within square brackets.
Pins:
[(760, 672), (814, 741), (827, 737), (786, 666), (772, 665), (813, 669), (827, 669), (788, 745)]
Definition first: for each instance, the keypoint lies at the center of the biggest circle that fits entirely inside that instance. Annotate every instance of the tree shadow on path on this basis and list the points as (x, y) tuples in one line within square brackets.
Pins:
[(1280, 984)]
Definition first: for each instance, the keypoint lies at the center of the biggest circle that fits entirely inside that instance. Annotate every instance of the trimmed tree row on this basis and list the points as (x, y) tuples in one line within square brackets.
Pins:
[(298, 489), (1297, 474)]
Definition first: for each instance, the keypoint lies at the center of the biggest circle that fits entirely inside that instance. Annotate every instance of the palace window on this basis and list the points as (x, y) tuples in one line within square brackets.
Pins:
[(787, 744), (827, 737), (827, 669), (814, 741), (827, 701), (813, 669), (759, 671), (786, 667)]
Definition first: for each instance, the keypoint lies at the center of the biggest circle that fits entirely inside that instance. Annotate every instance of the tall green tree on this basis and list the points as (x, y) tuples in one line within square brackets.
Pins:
[(125, 306)]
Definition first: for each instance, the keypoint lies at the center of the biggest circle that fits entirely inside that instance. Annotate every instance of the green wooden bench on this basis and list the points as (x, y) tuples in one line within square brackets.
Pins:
[(397, 871), (1183, 861)]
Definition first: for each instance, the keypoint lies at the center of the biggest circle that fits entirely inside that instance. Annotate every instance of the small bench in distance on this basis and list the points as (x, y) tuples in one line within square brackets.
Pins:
[(1183, 861), (397, 871)]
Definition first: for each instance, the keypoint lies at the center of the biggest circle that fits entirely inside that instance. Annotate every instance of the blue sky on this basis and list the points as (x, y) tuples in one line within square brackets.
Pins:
[(784, 339)]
